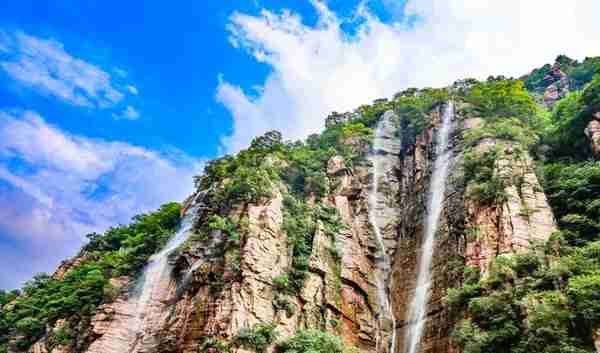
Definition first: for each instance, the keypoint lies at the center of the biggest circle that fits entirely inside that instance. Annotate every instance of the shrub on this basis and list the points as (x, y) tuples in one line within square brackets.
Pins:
[(457, 298), (299, 225), (503, 98), (314, 341), (526, 264), (483, 183), (282, 282), (258, 338), (584, 294)]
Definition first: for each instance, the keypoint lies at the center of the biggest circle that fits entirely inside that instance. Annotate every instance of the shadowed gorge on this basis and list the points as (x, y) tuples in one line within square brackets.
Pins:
[(457, 219)]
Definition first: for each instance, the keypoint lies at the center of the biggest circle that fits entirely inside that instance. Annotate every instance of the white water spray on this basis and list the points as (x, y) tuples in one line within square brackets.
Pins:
[(435, 198), (153, 287), (158, 265), (132, 330), (386, 147)]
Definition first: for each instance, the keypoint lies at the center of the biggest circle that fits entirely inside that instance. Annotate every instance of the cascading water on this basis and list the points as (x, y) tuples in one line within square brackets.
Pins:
[(386, 147), (435, 198), (130, 329), (158, 266)]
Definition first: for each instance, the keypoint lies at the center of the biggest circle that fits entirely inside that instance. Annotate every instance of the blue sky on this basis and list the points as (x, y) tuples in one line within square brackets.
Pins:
[(109, 108)]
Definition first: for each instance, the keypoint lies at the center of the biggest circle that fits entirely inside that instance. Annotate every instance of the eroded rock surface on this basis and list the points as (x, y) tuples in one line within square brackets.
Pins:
[(592, 132), (558, 88)]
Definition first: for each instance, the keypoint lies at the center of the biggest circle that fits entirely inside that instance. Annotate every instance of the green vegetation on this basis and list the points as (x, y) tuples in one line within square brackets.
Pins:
[(502, 98), (300, 227), (569, 119), (413, 107), (508, 112), (261, 336), (257, 339), (574, 193), (481, 176), (119, 251), (527, 303), (578, 73), (299, 223), (314, 341), (544, 300)]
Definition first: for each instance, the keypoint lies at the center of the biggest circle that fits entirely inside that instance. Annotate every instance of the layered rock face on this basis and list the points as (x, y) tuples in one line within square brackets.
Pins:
[(523, 220), (211, 291), (218, 303)]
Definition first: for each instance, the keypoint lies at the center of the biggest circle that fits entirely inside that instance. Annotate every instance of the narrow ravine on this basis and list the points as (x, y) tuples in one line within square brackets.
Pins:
[(384, 158), (435, 199)]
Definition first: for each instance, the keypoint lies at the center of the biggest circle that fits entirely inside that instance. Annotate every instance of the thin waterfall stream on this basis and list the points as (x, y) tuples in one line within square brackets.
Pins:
[(130, 331), (384, 158), (435, 200), (153, 283)]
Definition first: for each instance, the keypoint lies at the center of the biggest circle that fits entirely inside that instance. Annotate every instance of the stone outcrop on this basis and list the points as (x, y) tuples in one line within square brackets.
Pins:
[(521, 221), (69, 264), (592, 132), (558, 86)]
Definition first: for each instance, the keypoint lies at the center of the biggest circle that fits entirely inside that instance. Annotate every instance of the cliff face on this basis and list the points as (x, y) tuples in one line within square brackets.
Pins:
[(336, 241), (210, 295), (218, 303), (470, 233), (416, 167)]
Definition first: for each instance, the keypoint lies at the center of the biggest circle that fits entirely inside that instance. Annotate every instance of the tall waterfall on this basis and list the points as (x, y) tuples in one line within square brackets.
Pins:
[(435, 199), (386, 147)]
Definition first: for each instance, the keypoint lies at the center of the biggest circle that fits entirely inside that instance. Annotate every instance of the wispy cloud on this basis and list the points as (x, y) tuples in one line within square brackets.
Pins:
[(133, 90), (45, 66), (321, 68), (129, 113), (56, 187)]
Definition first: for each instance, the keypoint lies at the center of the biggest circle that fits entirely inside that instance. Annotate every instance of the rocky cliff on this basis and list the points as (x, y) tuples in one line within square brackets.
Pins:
[(325, 237)]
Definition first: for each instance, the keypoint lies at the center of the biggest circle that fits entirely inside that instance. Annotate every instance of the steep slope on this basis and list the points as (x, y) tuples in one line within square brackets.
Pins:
[(443, 220)]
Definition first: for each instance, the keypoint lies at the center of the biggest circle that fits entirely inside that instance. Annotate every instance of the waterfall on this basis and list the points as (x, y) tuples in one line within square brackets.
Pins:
[(386, 147), (152, 290), (434, 209), (158, 267), (131, 329)]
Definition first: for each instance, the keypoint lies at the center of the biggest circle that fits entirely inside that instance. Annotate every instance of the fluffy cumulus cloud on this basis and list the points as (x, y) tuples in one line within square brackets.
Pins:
[(56, 187), (45, 66), (318, 69)]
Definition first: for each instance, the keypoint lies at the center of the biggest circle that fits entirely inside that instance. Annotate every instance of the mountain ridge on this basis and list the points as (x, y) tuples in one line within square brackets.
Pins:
[(282, 254)]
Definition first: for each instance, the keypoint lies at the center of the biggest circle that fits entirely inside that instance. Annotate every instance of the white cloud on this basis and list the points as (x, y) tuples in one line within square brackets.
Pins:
[(56, 187), (133, 90), (44, 65), (129, 113), (316, 70), (122, 73)]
